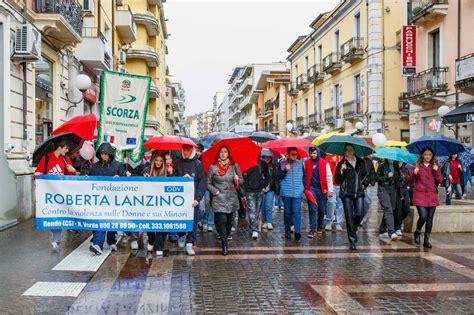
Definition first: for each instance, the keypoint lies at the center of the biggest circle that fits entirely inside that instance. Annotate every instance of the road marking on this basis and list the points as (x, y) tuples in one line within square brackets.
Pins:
[(56, 289), (339, 300)]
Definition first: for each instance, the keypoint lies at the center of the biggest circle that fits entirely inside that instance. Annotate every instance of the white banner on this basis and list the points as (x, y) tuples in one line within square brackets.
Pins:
[(160, 204), (123, 108)]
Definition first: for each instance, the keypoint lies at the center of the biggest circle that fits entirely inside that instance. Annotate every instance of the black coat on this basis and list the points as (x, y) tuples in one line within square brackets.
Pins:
[(354, 180), (107, 168), (192, 167), (370, 168), (274, 172), (382, 175), (257, 178)]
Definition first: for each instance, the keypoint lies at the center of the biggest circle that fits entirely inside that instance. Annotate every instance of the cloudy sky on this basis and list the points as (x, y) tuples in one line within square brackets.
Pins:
[(210, 37)]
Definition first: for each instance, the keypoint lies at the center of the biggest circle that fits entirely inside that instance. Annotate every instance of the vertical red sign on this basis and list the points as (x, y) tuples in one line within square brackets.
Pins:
[(408, 50)]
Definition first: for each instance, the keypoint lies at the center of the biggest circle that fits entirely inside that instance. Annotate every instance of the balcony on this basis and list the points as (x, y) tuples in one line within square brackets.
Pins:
[(59, 20), (299, 122), (302, 82), (145, 52), (94, 51), (149, 20), (269, 105), (315, 75), (465, 74), (352, 50), (154, 90), (329, 115), (314, 120), (427, 86), (247, 120), (352, 109), (403, 105), (245, 101), (292, 91), (427, 10), (125, 24), (332, 63), (246, 85)]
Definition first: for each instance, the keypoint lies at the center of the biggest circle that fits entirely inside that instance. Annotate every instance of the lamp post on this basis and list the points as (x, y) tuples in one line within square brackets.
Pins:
[(442, 111), (82, 83)]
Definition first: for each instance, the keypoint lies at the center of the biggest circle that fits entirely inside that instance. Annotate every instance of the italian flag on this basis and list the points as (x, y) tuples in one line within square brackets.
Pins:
[(108, 138)]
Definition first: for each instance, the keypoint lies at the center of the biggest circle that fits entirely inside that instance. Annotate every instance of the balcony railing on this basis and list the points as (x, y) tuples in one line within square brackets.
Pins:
[(329, 116), (125, 24), (315, 74), (422, 10), (332, 63), (299, 122), (71, 11), (302, 82), (314, 119), (353, 49), (427, 82), (352, 109), (292, 91)]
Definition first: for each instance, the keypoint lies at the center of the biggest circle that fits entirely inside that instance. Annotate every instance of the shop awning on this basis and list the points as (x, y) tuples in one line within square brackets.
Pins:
[(462, 114)]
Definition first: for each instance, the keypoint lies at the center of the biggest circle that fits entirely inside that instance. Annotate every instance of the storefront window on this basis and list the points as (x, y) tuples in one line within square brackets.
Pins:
[(44, 100)]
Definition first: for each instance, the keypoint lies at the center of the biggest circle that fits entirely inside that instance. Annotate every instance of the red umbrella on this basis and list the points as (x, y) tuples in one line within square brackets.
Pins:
[(242, 150), (280, 146), (84, 126), (168, 143)]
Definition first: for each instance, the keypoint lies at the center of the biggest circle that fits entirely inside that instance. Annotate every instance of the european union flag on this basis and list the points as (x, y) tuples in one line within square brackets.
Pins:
[(131, 141)]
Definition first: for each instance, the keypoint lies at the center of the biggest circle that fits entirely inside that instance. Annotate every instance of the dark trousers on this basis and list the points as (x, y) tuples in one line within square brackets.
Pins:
[(191, 236), (223, 222), (157, 239), (457, 190), (353, 209), (426, 215), (402, 210), (387, 198), (316, 212)]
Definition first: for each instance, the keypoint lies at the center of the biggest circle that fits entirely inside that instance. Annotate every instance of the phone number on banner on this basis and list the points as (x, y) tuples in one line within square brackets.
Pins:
[(113, 225)]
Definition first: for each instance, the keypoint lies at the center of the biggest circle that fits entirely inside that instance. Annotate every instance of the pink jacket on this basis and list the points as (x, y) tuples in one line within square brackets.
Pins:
[(425, 192)]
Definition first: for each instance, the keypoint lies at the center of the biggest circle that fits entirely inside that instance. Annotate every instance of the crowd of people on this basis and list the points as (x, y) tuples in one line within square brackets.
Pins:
[(335, 187)]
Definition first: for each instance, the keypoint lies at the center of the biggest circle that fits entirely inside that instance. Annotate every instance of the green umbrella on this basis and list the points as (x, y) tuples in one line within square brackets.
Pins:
[(396, 154), (336, 144)]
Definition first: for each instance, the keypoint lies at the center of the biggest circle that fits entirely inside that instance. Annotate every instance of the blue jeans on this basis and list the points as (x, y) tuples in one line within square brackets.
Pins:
[(99, 238), (191, 236), (335, 204), (207, 215), (279, 202), (267, 206), (316, 212), (57, 235), (292, 211)]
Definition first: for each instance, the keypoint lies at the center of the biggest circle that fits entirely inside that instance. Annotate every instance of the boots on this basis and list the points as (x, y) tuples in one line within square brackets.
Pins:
[(416, 237), (426, 242)]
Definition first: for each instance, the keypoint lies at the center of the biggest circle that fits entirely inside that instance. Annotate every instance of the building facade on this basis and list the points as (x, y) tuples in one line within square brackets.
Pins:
[(445, 66), (179, 108), (340, 69)]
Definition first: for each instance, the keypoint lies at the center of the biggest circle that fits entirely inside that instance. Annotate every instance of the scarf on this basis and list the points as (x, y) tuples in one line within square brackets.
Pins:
[(223, 166)]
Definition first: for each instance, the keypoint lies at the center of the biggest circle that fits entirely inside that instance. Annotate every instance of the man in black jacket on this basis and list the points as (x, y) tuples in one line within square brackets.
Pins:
[(190, 166), (106, 166), (256, 180)]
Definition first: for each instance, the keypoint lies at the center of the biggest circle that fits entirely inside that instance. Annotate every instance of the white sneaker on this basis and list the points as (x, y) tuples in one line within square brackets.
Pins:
[(399, 232), (384, 235), (204, 227), (254, 235), (269, 226), (394, 236), (134, 245), (328, 227), (149, 247), (264, 226), (55, 247), (113, 248), (190, 250), (276, 208), (159, 253), (95, 249), (210, 228), (182, 241), (338, 227), (233, 229), (292, 228)]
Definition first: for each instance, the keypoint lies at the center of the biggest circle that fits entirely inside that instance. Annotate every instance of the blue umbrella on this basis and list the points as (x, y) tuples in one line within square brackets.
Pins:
[(441, 145), (262, 136), (396, 154), (213, 137)]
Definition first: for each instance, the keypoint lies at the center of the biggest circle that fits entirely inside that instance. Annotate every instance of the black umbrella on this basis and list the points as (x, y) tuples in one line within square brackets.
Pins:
[(74, 141), (312, 136), (262, 136), (462, 114)]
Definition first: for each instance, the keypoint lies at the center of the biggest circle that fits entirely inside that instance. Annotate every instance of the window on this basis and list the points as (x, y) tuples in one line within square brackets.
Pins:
[(405, 135), (319, 110), (295, 111), (305, 111), (306, 64), (320, 55), (337, 101), (357, 30), (434, 48), (296, 72), (336, 42), (357, 87)]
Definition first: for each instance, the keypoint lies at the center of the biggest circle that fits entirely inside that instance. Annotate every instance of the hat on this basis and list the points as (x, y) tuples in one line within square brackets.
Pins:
[(266, 152)]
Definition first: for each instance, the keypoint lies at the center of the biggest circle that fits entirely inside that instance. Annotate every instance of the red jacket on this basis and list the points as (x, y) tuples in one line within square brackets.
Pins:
[(308, 166), (425, 191), (333, 165), (56, 165), (455, 171)]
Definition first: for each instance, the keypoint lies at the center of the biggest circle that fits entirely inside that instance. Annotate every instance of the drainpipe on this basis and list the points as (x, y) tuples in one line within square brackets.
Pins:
[(456, 129), (113, 35), (25, 91)]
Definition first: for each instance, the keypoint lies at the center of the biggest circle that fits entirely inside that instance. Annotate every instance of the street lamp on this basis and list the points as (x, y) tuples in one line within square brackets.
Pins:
[(442, 111), (82, 83), (359, 126)]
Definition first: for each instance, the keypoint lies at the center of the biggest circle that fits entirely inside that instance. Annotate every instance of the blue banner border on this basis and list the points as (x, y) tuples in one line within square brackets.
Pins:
[(169, 179)]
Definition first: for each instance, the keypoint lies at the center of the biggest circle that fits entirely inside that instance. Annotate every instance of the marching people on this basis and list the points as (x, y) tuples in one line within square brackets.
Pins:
[(156, 240), (223, 180), (291, 191), (206, 222), (190, 166), (319, 182), (256, 180), (56, 162), (426, 177), (334, 208), (402, 207), (106, 166), (387, 195), (452, 177), (352, 175), (272, 189)]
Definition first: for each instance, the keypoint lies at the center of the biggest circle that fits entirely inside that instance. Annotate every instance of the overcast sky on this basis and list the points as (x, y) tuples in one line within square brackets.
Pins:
[(209, 38)]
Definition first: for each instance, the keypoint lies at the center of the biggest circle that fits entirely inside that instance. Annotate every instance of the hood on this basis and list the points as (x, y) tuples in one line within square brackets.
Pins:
[(192, 156), (317, 150), (105, 147)]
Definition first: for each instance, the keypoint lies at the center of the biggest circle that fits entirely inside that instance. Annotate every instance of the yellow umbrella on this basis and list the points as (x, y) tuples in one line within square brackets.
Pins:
[(394, 143), (324, 136)]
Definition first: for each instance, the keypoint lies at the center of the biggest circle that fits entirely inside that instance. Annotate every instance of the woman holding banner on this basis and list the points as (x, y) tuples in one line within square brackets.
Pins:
[(223, 181), (156, 240)]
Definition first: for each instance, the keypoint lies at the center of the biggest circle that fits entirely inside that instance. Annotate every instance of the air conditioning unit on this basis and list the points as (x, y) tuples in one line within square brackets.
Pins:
[(27, 44), (339, 123), (122, 57), (88, 7), (121, 69)]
